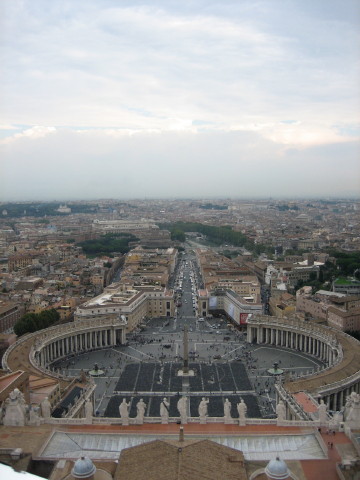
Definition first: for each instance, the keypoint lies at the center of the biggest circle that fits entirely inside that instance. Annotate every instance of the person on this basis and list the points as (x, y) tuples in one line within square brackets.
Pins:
[(124, 409), (164, 409), (203, 407)]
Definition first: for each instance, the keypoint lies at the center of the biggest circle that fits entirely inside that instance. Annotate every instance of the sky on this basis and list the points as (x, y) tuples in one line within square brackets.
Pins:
[(192, 98)]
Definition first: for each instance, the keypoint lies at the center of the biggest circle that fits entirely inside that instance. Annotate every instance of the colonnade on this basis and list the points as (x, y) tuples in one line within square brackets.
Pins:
[(77, 342), (336, 400), (295, 340), (322, 342)]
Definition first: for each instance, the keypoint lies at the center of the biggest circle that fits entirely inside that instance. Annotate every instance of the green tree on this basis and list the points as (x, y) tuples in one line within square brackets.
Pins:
[(32, 322)]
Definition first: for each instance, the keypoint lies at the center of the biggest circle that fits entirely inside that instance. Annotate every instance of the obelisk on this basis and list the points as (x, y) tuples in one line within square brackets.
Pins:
[(186, 351)]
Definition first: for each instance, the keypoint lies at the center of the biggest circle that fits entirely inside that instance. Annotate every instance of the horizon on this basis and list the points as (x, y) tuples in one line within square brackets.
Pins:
[(189, 199)]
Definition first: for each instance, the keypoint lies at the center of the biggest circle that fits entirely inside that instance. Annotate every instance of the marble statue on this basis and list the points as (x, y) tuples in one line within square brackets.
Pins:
[(89, 409), (124, 408), (352, 411), (322, 412), (227, 408), (281, 411), (203, 407), (46, 408), (164, 410), (15, 409), (124, 411), (140, 407), (182, 408), (34, 417), (242, 410)]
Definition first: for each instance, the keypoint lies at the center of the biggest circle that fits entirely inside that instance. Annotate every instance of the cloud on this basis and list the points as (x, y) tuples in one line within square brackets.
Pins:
[(93, 164), (30, 133), (106, 86), (159, 68)]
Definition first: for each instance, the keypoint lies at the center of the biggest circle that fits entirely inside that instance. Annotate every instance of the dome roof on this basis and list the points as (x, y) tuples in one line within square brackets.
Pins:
[(83, 468), (277, 469)]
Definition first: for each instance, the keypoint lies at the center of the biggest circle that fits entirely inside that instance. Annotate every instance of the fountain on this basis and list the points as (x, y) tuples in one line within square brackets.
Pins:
[(96, 372), (275, 370)]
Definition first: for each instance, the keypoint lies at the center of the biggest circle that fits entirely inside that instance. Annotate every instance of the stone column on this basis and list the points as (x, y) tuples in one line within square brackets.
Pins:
[(335, 401)]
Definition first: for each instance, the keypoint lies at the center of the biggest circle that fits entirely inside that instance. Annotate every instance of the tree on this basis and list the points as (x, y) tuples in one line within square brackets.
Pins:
[(32, 322)]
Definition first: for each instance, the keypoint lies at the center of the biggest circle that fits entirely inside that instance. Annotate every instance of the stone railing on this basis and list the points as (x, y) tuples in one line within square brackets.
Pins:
[(80, 402), (311, 424), (15, 345), (295, 407)]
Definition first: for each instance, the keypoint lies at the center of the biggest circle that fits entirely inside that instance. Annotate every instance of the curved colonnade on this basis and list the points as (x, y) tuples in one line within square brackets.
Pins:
[(61, 341), (339, 351)]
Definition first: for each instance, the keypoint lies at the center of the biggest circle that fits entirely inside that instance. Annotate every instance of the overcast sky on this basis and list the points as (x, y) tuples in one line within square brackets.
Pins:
[(199, 98)]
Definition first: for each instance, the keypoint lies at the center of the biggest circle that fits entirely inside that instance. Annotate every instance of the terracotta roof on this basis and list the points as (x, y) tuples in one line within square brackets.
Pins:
[(7, 380), (187, 460), (341, 313)]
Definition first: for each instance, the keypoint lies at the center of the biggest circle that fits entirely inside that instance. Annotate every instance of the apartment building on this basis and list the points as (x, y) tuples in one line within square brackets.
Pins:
[(10, 313), (129, 302), (338, 310)]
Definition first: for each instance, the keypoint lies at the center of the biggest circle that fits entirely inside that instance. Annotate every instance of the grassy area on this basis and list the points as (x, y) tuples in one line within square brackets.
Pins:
[(344, 281)]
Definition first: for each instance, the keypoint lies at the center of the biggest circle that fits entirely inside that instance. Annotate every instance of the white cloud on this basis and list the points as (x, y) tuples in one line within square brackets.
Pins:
[(94, 164), (32, 133), (129, 71)]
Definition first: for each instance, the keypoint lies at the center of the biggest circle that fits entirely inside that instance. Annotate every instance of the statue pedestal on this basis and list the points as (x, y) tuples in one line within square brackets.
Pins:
[(203, 419), (242, 422), (125, 421), (228, 421), (182, 373)]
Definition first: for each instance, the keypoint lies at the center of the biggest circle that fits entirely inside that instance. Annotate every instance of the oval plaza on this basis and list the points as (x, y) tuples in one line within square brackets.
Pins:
[(135, 345)]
